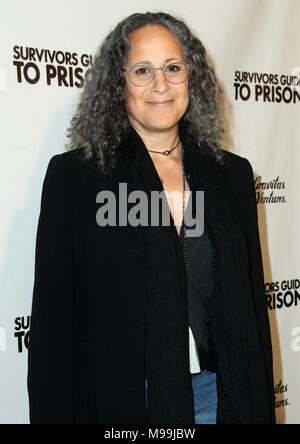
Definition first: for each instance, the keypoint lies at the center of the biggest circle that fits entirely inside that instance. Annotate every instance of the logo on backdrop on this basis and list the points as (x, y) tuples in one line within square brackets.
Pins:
[(264, 87), (270, 191), (280, 392), (51, 67), (284, 294), (22, 332)]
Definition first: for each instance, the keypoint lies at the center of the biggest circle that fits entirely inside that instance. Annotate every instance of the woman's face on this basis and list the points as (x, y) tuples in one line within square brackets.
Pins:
[(160, 105)]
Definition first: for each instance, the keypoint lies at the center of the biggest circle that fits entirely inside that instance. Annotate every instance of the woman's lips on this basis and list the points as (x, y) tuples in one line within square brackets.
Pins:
[(161, 104)]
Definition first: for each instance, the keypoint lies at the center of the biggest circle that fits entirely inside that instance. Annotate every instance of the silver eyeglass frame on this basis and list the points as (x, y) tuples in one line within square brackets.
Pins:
[(153, 72)]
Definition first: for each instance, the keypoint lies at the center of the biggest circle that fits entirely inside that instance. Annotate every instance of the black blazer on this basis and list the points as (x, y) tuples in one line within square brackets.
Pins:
[(86, 352)]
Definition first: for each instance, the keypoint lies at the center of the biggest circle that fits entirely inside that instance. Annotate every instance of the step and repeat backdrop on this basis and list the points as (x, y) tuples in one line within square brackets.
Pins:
[(45, 50)]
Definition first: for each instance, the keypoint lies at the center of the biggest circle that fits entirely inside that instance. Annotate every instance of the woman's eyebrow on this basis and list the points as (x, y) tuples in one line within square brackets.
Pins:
[(147, 62)]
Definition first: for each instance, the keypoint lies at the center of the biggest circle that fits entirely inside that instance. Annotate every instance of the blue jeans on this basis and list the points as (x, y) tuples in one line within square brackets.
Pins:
[(205, 397)]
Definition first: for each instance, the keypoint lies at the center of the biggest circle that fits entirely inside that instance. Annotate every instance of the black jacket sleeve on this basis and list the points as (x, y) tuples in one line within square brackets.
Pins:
[(50, 354), (267, 414)]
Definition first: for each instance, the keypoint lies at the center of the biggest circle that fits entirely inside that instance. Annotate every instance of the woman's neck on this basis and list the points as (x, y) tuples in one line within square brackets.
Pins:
[(160, 140)]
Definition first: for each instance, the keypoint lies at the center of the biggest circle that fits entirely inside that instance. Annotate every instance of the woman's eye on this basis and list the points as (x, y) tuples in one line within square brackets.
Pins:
[(173, 68), (142, 70)]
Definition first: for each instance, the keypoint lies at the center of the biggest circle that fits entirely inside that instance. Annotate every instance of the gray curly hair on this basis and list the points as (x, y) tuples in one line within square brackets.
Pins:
[(100, 122)]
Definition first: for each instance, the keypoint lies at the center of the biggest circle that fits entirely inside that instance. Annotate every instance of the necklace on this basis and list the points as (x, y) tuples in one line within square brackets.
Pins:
[(183, 210), (166, 153)]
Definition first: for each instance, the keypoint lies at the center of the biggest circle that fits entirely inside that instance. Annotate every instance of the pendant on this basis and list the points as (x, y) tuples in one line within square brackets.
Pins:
[(166, 153)]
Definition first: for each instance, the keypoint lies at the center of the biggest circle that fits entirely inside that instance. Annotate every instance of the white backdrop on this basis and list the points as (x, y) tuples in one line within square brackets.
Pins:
[(45, 48)]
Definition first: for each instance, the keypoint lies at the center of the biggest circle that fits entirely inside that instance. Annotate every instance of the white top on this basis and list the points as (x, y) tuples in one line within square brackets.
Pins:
[(194, 358)]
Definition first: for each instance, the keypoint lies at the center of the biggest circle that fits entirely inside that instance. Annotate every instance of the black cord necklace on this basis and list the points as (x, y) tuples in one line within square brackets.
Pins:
[(167, 152)]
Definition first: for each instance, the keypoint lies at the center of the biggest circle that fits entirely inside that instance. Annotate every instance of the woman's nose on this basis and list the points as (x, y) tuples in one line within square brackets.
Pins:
[(160, 83)]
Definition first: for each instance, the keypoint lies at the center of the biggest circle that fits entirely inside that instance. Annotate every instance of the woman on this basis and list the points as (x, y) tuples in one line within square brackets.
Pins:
[(138, 323)]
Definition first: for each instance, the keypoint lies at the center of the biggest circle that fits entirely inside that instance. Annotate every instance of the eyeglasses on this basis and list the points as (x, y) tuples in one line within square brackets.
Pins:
[(142, 74)]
